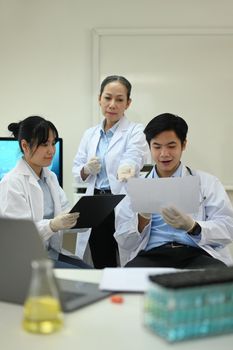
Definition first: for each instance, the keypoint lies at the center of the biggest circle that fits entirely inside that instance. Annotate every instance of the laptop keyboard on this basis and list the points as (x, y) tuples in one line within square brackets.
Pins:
[(69, 296), (76, 294)]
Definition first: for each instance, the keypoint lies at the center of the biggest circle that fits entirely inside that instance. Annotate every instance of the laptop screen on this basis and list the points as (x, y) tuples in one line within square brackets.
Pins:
[(20, 244)]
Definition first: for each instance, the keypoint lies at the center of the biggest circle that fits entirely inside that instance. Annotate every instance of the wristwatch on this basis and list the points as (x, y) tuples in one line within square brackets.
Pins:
[(196, 230)]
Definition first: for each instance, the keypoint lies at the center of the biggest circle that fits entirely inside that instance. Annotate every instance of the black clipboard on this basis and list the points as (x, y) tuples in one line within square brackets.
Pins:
[(94, 209)]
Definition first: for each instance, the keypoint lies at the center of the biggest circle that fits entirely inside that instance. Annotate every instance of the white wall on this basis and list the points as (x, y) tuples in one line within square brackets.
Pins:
[(185, 71), (46, 55)]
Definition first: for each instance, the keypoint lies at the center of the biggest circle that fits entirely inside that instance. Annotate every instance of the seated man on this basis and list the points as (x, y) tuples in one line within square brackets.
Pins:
[(172, 238)]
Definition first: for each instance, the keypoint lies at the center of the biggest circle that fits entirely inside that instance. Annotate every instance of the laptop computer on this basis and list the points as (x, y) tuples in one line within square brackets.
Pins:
[(20, 243), (94, 209)]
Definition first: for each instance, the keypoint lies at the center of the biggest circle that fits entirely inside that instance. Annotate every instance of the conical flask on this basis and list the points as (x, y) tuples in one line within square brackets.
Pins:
[(42, 308)]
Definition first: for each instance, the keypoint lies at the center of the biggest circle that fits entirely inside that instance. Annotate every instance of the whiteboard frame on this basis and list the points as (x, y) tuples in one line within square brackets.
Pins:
[(98, 33)]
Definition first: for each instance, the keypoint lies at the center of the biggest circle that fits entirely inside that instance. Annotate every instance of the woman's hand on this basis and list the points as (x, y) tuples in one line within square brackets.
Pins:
[(125, 172), (63, 221)]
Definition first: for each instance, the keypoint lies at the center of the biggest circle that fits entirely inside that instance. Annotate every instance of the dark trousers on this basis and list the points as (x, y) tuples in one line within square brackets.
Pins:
[(103, 245), (182, 257)]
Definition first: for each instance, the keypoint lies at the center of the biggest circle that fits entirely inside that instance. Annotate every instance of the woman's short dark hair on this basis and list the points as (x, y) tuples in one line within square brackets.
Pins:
[(34, 129), (112, 78), (165, 122)]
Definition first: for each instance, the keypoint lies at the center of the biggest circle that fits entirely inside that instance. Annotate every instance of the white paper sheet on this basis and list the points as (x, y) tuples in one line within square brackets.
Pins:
[(150, 195), (129, 279)]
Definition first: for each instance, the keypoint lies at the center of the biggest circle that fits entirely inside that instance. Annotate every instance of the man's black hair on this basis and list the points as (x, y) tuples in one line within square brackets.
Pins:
[(166, 122)]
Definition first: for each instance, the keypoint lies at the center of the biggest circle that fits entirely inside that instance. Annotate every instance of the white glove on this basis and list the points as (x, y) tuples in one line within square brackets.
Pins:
[(125, 171), (145, 215), (63, 221), (92, 167), (177, 219)]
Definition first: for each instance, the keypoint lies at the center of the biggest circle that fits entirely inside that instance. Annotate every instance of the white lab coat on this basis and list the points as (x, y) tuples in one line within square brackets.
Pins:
[(215, 216), (22, 197), (127, 146)]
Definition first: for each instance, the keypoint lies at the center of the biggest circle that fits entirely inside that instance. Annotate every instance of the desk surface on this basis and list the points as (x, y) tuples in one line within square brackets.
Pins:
[(102, 325)]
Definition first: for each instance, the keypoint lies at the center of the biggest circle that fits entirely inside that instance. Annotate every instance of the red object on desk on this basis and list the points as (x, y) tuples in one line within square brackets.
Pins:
[(117, 299)]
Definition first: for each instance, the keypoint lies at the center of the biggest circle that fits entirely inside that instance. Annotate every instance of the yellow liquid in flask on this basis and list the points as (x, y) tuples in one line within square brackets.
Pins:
[(42, 315)]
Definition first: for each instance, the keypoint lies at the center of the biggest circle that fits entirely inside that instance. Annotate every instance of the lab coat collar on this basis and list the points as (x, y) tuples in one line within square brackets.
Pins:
[(182, 169), (122, 127), (112, 129), (24, 169)]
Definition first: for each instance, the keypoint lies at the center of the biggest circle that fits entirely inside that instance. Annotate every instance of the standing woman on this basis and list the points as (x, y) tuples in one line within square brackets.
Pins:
[(31, 191), (108, 155)]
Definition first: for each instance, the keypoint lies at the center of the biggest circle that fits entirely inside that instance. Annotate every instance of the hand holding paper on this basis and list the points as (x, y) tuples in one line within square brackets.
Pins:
[(177, 219)]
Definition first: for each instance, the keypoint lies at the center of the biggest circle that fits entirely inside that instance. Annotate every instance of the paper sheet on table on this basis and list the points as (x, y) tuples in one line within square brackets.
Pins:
[(129, 279), (150, 195)]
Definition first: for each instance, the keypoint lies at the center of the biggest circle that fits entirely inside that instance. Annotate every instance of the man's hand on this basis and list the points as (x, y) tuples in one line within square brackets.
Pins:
[(177, 219)]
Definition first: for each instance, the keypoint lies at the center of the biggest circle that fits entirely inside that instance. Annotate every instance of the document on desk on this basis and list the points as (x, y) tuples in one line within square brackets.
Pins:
[(123, 279), (151, 195)]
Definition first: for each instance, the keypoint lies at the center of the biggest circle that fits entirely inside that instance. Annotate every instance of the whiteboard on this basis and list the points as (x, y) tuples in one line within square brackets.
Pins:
[(185, 72)]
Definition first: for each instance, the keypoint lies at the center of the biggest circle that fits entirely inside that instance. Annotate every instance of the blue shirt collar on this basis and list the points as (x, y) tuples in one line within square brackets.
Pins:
[(177, 173), (109, 131)]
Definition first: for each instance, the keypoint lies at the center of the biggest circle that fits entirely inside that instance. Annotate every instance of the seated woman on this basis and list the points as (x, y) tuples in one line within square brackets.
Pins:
[(31, 190)]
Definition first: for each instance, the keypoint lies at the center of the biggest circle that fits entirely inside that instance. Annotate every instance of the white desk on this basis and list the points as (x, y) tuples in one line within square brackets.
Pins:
[(102, 325)]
